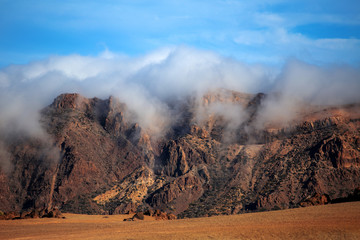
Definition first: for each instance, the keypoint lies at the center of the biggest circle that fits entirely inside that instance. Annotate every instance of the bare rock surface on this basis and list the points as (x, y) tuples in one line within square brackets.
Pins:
[(99, 160)]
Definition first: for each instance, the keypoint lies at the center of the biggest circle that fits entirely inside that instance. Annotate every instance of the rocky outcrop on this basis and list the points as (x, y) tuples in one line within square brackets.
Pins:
[(157, 215), (340, 152), (178, 194), (97, 159), (316, 200), (35, 213)]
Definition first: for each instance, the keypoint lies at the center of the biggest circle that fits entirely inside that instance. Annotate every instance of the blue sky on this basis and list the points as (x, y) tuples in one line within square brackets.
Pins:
[(271, 31)]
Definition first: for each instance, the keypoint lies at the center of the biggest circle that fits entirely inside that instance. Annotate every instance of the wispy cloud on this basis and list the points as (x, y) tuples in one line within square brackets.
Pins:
[(280, 42), (149, 82)]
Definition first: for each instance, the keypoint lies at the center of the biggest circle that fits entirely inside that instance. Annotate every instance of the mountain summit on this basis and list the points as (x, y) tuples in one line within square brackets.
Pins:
[(222, 153)]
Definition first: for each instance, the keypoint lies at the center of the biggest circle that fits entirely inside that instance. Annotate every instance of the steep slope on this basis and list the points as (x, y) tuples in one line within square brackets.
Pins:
[(215, 159)]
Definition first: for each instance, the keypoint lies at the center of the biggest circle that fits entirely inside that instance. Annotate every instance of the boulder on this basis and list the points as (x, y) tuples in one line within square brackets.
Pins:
[(34, 214), (317, 199), (157, 212), (24, 215), (171, 216), (54, 213), (161, 216), (139, 215), (11, 215), (149, 212)]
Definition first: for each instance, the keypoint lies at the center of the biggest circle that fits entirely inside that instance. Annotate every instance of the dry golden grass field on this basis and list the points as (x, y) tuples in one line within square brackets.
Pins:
[(336, 221)]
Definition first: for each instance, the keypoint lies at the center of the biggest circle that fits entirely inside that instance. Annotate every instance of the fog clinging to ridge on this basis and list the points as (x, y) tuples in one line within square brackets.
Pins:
[(147, 82)]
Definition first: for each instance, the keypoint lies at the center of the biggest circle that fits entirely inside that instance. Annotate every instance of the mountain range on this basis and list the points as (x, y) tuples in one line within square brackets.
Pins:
[(218, 155)]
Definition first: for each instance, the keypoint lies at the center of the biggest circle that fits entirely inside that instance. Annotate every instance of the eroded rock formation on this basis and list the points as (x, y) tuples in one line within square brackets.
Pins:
[(98, 160)]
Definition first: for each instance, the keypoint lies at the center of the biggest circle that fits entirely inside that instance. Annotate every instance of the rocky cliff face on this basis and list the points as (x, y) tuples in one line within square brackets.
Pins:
[(213, 160)]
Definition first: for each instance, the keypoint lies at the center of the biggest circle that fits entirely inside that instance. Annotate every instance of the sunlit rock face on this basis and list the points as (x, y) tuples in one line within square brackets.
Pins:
[(221, 153)]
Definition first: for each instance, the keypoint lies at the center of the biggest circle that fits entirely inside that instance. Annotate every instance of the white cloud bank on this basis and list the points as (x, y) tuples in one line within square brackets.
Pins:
[(148, 82)]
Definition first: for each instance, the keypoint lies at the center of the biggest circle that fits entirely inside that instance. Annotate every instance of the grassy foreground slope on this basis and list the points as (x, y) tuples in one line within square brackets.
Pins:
[(336, 221)]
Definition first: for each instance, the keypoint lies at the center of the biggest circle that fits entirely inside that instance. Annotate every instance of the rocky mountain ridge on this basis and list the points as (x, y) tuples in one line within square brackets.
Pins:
[(213, 159)]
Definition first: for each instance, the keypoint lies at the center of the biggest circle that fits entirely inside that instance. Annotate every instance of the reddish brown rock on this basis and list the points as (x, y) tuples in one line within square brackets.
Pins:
[(171, 217), (34, 214), (161, 216), (149, 212), (157, 212), (318, 199), (139, 216), (202, 166), (184, 190), (24, 215)]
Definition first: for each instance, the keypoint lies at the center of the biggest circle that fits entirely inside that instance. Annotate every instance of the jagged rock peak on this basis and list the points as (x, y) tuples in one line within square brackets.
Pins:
[(109, 164), (69, 100)]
